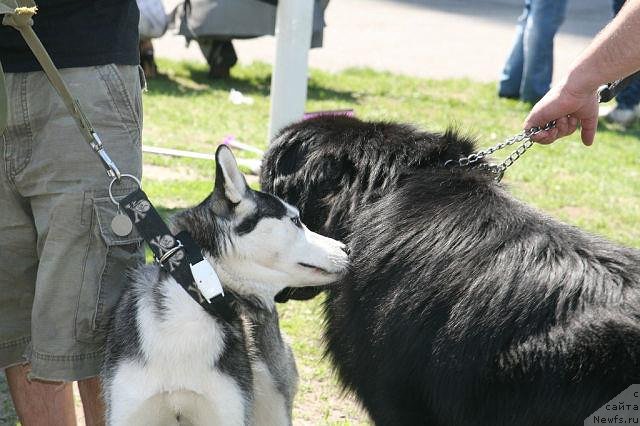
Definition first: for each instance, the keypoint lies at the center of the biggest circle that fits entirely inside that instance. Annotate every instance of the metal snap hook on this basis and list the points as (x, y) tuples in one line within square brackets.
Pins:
[(122, 176)]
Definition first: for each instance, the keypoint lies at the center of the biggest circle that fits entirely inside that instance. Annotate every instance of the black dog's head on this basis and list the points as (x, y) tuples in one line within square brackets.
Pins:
[(332, 166)]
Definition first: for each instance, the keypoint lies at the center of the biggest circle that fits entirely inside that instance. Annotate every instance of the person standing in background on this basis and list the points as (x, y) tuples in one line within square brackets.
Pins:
[(215, 24), (527, 73), (627, 109)]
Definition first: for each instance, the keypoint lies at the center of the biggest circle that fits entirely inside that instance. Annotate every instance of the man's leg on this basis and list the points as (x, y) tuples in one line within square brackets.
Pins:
[(511, 76), (542, 26), (91, 394), (36, 402), (629, 98), (617, 5), (40, 403)]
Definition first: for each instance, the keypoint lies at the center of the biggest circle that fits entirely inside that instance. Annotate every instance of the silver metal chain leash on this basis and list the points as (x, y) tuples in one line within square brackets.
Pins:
[(605, 94), (499, 169)]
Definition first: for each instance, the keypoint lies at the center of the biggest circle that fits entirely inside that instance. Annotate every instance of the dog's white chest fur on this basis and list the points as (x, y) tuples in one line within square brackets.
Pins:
[(177, 380), (179, 373)]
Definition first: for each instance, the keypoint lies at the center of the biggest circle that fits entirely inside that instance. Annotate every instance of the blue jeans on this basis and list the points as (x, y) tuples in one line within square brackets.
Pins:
[(630, 96), (529, 67)]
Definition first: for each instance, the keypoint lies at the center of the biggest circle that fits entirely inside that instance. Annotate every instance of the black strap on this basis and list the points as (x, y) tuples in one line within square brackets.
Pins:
[(173, 253), (611, 90), (193, 250)]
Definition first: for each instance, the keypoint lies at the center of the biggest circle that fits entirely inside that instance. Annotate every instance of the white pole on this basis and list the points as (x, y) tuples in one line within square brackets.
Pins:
[(294, 24)]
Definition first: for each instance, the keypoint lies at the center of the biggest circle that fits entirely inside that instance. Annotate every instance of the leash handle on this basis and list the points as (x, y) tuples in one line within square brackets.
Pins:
[(611, 90)]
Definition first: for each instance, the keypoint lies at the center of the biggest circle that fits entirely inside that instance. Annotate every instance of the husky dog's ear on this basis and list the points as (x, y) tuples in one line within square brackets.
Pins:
[(230, 182)]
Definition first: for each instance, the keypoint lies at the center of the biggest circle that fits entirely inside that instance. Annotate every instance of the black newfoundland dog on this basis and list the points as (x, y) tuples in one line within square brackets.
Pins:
[(463, 306)]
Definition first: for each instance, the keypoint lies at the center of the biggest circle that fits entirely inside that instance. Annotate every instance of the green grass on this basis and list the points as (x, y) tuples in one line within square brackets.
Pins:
[(596, 188)]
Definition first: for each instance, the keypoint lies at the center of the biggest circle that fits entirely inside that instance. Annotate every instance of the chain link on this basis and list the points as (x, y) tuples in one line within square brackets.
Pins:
[(499, 169)]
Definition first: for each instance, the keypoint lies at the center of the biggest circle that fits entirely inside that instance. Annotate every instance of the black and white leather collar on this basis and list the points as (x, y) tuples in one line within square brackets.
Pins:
[(178, 255)]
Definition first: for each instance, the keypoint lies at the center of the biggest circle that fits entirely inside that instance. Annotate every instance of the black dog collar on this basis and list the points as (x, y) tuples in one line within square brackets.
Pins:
[(176, 254)]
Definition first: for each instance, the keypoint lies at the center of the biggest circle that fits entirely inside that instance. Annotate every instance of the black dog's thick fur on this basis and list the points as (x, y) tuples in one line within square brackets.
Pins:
[(463, 306)]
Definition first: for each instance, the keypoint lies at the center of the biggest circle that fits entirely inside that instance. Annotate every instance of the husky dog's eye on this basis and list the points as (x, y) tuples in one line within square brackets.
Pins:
[(296, 221)]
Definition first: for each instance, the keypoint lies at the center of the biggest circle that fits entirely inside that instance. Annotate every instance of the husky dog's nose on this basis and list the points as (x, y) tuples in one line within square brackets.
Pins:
[(346, 249)]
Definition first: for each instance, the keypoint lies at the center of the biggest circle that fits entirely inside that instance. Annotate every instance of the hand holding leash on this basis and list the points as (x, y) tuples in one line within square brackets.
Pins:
[(574, 107), (614, 52), (569, 109)]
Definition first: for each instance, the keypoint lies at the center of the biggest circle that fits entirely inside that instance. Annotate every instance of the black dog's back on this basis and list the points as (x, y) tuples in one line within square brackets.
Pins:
[(456, 314), (463, 306)]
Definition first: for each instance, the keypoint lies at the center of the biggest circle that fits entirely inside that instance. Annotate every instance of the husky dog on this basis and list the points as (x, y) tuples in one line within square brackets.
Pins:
[(462, 306), (170, 362)]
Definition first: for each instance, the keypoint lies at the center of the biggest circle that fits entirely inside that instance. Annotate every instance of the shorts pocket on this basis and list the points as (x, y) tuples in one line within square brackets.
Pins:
[(108, 259), (123, 86)]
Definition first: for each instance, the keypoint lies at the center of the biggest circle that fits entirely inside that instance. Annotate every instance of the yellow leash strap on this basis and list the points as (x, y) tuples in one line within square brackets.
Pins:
[(20, 18), (4, 104)]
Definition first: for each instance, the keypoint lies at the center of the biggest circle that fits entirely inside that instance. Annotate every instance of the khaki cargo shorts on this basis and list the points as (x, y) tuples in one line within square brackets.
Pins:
[(62, 268)]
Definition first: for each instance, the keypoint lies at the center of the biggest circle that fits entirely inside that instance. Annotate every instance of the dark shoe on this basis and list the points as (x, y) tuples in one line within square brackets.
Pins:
[(508, 96), (222, 57), (217, 72), (622, 116), (147, 60)]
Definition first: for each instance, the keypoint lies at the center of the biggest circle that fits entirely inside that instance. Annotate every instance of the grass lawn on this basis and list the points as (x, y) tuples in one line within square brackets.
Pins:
[(596, 188)]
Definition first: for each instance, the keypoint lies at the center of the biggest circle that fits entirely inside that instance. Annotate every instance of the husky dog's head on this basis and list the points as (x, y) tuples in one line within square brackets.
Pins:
[(255, 241)]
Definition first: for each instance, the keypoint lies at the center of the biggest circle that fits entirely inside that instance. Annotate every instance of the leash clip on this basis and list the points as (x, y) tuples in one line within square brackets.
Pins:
[(95, 142), (108, 164)]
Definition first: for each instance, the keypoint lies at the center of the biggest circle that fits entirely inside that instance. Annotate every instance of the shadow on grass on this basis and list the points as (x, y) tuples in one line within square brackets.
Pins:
[(253, 85), (613, 129)]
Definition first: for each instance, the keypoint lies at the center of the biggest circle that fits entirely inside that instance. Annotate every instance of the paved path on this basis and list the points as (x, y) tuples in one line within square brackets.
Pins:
[(431, 38)]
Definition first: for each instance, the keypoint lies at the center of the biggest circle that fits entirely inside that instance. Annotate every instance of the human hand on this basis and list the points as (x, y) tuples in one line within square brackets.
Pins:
[(569, 107)]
